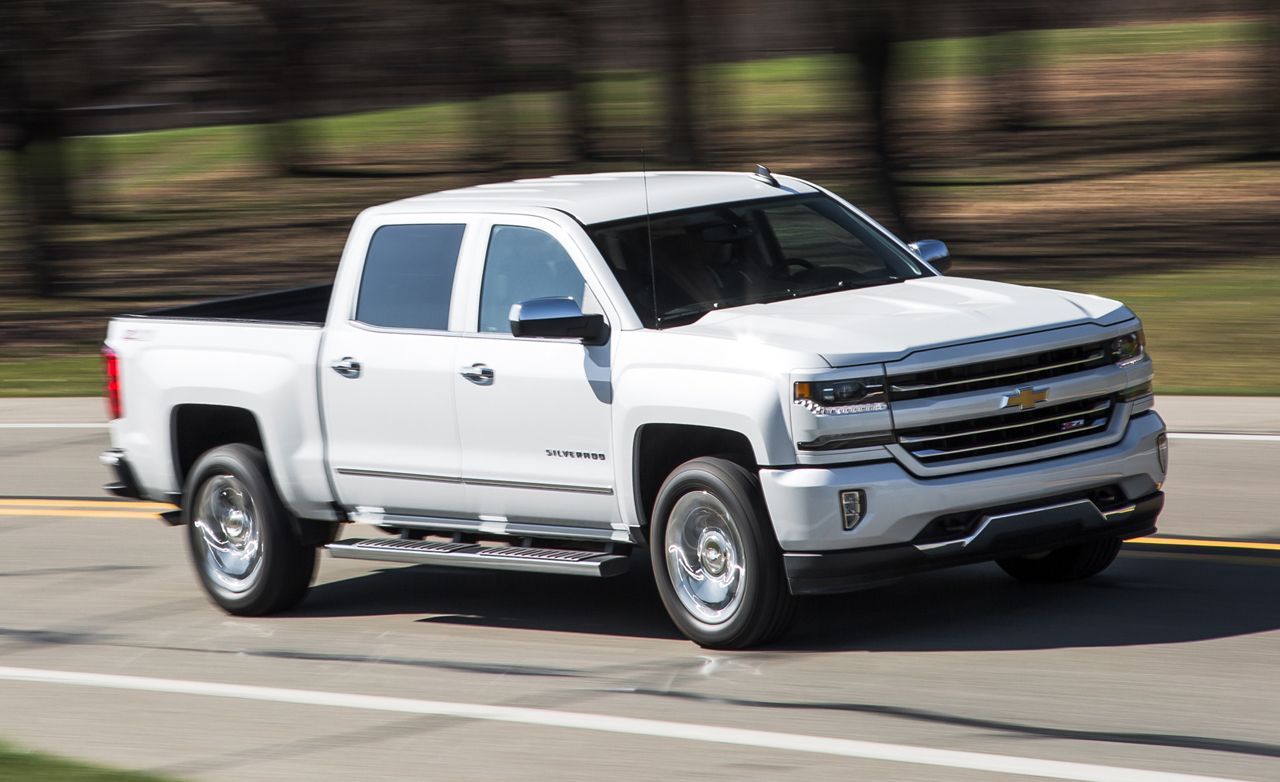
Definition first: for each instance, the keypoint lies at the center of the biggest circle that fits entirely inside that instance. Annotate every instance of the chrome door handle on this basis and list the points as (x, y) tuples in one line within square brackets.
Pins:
[(478, 374), (347, 367)]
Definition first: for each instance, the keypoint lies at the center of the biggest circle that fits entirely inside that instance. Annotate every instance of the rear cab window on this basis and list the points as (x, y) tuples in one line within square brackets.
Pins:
[(407, 281)]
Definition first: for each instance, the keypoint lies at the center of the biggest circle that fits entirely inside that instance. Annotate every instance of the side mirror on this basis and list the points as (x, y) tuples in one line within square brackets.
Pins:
[(557, 317), (932, 252)]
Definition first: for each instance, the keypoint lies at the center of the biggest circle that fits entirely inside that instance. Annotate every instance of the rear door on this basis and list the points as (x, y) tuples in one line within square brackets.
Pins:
[(387, 373), (533, 414)]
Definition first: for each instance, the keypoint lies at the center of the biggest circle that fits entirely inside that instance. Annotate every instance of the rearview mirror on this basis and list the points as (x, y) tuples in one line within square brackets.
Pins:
[(557, 317), (932, 252)]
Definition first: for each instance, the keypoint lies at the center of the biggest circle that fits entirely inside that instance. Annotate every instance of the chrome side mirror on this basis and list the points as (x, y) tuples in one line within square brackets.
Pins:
[(557, 317), (932, 252)]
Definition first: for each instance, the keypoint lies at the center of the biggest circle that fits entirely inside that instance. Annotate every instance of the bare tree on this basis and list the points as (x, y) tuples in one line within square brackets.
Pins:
[(676, 21), (578, 23), (481, 36), (868, 35), (39, 82), (1269, 104), (278, 75), (1010, 58)]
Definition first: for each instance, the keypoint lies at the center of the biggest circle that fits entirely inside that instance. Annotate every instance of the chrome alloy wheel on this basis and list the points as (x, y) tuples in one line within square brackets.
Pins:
[(704, 557), (230, 538)]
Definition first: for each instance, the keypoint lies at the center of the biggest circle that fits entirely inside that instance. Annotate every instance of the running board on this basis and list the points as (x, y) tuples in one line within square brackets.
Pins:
[(534, 560)]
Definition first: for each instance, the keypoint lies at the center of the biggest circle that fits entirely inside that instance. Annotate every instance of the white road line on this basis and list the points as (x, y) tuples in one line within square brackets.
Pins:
[(55, 426), (792, 742), (1258, 438)]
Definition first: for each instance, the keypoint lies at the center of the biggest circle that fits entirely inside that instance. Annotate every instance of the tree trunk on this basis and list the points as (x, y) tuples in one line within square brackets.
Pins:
[(578, 92), (286, 54), (484, 67), (871, 38), (1269, 104), (683, 146), (39, 78), (1011, 88)]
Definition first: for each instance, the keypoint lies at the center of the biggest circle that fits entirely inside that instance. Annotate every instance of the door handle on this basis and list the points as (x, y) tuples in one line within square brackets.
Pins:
[(347, 367), (478, 374)]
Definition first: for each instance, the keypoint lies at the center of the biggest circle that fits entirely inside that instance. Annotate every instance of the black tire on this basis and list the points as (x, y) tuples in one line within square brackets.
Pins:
[(223, 484), (1070, 563), (729, 494)]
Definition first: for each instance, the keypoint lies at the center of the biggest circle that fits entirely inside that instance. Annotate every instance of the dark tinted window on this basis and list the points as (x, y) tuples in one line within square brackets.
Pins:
[(677, 266), (408, 276), (522, 264)]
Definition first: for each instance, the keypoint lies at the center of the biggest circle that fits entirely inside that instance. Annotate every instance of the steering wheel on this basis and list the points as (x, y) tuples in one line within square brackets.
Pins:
[(783, 272)]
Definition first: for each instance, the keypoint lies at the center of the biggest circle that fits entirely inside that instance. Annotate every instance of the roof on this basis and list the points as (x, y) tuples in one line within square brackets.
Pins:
[(601, 198)]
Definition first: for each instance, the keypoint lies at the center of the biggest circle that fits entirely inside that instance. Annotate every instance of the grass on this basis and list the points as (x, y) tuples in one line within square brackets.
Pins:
[(52, 376), (22, 766)]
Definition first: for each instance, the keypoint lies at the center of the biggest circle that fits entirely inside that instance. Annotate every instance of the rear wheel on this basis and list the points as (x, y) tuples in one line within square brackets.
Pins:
[(1070, 563), (240, 536), (717, 565)]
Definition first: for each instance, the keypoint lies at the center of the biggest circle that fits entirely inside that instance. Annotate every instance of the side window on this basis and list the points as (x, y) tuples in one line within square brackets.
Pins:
[(524, 263), (408, 276)]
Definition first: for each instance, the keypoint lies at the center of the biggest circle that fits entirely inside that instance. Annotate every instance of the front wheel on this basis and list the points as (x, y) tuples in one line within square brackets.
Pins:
[(715, 559), (242, 543), (1070, 563)]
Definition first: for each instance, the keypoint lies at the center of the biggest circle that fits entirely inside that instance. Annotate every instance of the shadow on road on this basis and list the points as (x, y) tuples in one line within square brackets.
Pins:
[(1145, 598), (627, 605)]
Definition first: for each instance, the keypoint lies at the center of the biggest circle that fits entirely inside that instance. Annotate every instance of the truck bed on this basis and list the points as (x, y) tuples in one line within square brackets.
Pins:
[(307, 305)]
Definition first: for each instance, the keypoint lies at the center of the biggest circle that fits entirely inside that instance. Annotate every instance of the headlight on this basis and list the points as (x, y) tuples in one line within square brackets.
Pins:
[(1128, 349), (842, 397)]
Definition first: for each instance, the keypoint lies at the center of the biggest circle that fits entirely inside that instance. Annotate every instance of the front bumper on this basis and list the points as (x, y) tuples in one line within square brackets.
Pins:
[(998, 534), (804, 502)]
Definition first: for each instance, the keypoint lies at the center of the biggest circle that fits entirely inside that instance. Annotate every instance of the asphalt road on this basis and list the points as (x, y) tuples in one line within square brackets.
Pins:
[(1166, 663)]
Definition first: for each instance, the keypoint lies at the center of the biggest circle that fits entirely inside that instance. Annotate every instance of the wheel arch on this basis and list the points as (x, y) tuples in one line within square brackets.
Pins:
[(659, 448)]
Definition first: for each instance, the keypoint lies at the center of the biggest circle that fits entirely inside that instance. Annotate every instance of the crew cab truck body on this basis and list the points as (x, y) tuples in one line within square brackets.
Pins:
[(742, 373)]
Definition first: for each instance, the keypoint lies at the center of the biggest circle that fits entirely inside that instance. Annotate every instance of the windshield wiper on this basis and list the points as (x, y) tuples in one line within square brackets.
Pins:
[(845, 286), (683, 316)]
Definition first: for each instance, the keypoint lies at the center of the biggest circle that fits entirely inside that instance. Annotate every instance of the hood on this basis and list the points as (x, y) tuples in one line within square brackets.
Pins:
[(887, 322)]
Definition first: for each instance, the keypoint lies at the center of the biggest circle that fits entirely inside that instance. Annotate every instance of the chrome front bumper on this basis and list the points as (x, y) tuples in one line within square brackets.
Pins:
[(804, 502)]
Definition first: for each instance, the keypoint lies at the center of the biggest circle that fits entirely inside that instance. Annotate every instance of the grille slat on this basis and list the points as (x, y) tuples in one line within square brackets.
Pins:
[(1017, 370), (925, 439), (1009, 432)]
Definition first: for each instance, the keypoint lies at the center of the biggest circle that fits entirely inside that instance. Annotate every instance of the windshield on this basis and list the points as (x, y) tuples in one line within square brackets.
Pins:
[(744, 253)]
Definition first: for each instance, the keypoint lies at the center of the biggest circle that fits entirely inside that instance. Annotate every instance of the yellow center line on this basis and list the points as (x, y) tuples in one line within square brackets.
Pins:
[(79, 514), (25, 503), (1245, 544)]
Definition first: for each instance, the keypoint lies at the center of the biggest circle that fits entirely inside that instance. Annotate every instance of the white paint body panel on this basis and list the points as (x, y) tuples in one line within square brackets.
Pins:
[(472, 451)]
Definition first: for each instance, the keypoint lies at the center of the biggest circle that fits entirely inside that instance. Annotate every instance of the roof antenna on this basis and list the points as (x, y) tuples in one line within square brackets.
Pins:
[(648, 226), (764, 175)]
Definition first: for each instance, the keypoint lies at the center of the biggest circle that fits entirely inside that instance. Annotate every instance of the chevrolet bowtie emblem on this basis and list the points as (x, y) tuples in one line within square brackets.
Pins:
[(1026, 398)]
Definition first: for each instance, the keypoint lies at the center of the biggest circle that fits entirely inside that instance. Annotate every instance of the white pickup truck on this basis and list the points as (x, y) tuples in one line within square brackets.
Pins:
[(742, 373)]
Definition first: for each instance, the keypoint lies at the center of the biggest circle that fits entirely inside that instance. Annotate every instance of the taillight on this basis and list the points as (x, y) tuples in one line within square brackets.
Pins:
[(112, 364)]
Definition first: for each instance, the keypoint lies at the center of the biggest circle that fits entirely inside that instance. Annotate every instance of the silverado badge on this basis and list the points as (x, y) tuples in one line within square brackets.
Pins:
[(1026, 398)]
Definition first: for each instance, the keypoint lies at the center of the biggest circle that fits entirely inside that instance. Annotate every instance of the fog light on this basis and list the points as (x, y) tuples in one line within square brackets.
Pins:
[(853, 505), (1162, 452)]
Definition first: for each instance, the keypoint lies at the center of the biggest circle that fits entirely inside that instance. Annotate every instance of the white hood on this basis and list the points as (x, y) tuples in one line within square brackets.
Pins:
[(887, 322)]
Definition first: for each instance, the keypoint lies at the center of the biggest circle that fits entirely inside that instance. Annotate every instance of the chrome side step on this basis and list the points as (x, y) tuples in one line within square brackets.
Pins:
[(380, 518), (535, 560)]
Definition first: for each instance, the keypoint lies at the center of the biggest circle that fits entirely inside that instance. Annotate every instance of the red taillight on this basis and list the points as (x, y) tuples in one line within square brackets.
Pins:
[(112, 362)]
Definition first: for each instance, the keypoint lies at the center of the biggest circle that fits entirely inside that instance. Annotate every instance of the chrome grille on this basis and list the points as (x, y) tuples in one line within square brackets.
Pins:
[(1009, 432), (1015, 371)]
